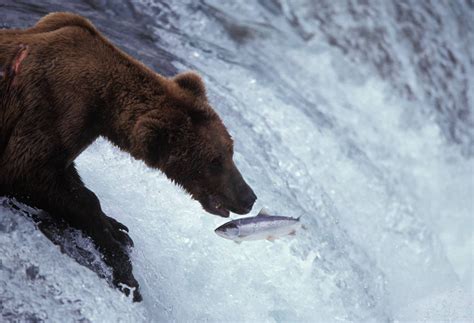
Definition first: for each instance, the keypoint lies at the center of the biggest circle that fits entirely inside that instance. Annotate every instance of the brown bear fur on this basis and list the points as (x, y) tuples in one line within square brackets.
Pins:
[(63, 84)]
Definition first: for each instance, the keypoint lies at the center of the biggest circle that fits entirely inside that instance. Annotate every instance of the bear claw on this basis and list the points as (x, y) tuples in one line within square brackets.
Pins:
[(123, 238), (116, 224)]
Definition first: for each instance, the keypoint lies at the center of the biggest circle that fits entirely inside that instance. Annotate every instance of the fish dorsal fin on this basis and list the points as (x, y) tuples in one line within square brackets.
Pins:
[(263, 212)]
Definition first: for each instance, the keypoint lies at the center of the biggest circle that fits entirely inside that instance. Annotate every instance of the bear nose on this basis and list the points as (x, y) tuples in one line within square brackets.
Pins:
[(248, 198)]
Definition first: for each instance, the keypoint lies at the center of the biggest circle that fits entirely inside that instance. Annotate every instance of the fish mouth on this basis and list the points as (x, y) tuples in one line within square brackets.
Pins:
[(219, 232), (215, 206)]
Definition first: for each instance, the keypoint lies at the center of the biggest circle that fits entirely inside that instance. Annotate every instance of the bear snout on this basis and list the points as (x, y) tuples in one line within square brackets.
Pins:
[(250, 199), (244, 199)]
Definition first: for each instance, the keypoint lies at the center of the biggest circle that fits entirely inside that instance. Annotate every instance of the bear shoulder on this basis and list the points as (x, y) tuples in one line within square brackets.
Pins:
[(58, 20)]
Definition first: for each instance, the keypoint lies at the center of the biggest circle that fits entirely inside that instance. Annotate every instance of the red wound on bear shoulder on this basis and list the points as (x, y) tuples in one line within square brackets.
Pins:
[(19, 57)]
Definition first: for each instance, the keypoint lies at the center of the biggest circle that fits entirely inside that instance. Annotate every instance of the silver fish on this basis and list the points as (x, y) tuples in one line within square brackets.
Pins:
[(259, 227)]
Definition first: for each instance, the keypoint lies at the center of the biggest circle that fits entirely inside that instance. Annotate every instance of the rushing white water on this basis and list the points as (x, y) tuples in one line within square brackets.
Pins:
[(355, 115)]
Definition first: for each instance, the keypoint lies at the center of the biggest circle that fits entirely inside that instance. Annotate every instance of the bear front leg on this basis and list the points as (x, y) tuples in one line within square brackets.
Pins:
[(63, 195), (118, 230)]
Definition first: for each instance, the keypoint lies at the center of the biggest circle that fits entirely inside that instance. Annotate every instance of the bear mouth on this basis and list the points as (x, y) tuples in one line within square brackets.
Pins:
[(215, 206)]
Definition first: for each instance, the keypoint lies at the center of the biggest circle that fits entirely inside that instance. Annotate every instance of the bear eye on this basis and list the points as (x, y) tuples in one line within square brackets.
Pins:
[(216, 164)]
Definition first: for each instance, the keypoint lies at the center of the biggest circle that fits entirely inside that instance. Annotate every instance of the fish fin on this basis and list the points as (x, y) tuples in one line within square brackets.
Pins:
[(263, 212), (292, 232), (237, 242), (271, 238)]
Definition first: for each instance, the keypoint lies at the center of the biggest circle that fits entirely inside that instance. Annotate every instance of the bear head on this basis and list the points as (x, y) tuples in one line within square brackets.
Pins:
[(187, 140)]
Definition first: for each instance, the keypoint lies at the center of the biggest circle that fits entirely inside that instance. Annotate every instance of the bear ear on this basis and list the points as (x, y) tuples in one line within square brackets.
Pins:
[(191, 82)]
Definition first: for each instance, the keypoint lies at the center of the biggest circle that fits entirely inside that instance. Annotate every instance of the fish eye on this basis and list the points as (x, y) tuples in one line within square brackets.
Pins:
[(230, 226)]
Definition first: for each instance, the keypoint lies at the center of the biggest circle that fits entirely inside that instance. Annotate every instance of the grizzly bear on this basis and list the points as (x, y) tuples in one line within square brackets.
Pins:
[(63, 84)]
